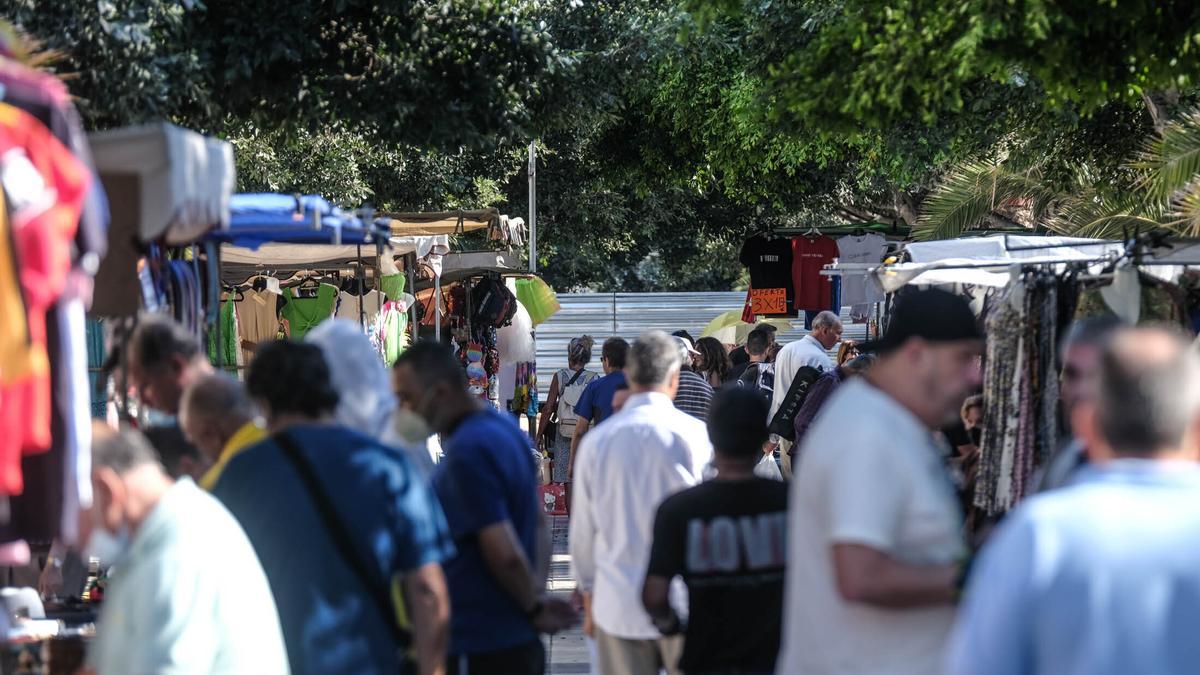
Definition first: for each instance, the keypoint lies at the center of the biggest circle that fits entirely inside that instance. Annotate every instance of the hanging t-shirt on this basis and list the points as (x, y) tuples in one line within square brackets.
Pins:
[(728, 539), (348, 307), (258, 320), (809, 257), (769, 260), (857, 290), (303, 314)]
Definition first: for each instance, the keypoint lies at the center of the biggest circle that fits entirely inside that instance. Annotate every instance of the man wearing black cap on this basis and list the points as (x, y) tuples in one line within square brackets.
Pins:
[(875, 549)]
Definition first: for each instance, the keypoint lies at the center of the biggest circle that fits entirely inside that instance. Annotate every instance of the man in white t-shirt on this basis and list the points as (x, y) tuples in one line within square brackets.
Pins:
[(874, 530), (812, 351)]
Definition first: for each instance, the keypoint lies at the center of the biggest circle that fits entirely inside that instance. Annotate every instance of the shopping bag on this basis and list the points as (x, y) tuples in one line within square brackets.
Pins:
[(554, 499), (767, 467)]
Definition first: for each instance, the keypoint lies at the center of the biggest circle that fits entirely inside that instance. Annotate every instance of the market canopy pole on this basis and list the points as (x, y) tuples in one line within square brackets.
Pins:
[(533, 207)]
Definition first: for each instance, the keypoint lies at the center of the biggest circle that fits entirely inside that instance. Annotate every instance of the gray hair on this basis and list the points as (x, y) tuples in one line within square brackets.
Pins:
[(826, 319), (217, 397), (122, 451), (653, 359), (1149, 393)]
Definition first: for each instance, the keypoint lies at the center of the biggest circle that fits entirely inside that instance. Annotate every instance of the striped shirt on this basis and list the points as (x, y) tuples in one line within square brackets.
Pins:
[(695, 395)]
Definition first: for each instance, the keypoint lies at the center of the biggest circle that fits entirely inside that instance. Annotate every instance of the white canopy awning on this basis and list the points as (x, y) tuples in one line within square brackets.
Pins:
[(285, 255)]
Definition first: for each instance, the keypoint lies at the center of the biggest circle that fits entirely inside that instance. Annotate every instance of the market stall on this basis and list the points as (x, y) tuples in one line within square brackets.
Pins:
[(1027, 291)]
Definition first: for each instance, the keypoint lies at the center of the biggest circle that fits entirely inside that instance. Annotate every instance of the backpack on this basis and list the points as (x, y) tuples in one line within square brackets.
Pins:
[(571, 386), (783, 423), (494, 304), (760, 378)]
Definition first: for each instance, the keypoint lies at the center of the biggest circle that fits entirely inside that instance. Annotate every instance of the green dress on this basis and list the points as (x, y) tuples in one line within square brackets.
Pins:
[(303, 314)]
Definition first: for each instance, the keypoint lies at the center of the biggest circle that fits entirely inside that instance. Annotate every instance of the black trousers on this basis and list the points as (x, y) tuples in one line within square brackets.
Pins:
[(526, 659)]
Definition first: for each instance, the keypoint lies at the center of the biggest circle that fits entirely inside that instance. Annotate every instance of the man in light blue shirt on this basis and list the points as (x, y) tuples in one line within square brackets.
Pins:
[(1103, 576)]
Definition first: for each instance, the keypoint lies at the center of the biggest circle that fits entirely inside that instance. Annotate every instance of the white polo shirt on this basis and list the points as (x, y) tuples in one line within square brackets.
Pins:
[(189, 597), (869, 474)]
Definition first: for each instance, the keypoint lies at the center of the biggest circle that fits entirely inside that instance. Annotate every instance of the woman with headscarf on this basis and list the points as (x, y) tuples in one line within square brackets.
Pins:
[(713, 364), (366, 402), (565, 389)]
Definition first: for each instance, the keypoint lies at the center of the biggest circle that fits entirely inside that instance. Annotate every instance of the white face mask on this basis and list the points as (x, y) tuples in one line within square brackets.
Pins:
[(411, 427), (106, 546)]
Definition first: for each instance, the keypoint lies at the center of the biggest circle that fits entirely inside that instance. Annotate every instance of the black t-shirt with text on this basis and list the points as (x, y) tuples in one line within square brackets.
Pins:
[(769, 260), (728, 540)]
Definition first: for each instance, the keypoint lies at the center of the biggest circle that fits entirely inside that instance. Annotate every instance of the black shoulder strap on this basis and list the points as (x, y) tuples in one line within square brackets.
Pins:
[(573, 378), (337, 532)]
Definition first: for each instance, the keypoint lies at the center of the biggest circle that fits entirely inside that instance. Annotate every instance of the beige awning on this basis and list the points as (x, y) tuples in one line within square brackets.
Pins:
[(440, 222)]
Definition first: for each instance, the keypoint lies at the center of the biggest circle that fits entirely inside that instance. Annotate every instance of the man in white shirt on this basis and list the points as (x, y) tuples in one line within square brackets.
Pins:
[(186, 593), (626, 467), (874, 529), (812, 351)]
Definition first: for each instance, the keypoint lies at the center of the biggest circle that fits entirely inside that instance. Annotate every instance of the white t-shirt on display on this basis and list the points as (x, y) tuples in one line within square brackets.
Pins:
[(347, 308), (857, 290), (869, 474)]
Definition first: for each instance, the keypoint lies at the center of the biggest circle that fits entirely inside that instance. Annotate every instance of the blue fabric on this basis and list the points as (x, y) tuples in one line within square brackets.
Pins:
[(1099, 577), (486, 477), (329, 622), (257, 219), (595, 403)]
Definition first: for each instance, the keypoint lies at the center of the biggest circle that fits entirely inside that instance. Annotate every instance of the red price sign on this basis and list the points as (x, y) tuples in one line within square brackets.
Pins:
[(768, 301)]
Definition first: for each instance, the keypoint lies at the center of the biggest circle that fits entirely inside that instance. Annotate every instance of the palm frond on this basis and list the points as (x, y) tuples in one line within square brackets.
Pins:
[(1097, 214), (975, 190), (1170, 161)]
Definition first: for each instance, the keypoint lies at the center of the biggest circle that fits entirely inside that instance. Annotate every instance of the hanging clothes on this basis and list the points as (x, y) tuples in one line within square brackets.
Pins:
[(303, 314), (858, 291), (348, 305), (810, 255), (538, 298), (227, 351), (45, 188), (769, 260), (258, 320)]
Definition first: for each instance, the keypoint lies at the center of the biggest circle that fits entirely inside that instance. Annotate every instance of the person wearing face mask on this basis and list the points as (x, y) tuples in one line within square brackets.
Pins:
[(186, 591), (487, 485), (351, 537)]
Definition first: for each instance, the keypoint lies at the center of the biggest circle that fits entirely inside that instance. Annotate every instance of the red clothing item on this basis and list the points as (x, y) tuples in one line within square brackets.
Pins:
[(45, 186), (809, 256)]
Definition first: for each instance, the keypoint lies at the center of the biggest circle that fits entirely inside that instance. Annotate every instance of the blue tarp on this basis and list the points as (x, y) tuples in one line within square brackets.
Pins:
[(261, 218)]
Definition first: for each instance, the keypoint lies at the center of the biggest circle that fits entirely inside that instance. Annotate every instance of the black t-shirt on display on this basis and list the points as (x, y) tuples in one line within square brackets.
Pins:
[(770, 263), (728, 540)]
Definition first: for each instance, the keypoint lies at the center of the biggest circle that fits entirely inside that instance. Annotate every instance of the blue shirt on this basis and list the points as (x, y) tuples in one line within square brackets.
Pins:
[(596, 402), (487, 476), (1102, 576), (330, 623)]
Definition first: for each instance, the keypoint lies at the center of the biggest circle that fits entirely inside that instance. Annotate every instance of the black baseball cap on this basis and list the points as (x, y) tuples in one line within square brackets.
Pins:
[(933, 315)]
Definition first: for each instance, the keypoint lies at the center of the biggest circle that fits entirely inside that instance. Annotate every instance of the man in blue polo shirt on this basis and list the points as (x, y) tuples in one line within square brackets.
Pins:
[(596, 402), (487, 484), (348, 533)]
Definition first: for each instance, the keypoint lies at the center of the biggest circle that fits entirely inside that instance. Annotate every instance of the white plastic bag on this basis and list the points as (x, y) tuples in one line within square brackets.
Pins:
[(767, 467)]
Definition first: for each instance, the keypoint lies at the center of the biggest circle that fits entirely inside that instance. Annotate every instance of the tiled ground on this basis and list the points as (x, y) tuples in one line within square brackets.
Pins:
[(566, 652)]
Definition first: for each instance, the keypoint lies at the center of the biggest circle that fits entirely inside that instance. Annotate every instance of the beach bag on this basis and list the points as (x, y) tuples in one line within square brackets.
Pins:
[(783, 423)]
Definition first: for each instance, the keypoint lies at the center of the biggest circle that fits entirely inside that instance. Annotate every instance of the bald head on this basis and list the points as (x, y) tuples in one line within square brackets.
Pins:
[(1149, 393), (212, 409)]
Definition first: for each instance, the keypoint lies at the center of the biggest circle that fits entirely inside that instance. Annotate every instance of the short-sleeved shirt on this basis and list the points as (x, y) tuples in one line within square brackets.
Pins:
[(189, 596), (728, 539), (487, 476), (1099, 577), (330, 623), (881, 484), (596, 402), (695, 395)]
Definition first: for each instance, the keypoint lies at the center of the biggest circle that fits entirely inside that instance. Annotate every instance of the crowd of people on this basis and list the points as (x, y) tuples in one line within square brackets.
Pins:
[(301, 534)]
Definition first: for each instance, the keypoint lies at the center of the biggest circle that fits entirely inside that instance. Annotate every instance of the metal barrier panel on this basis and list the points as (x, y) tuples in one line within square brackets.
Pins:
[(627, 315)]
